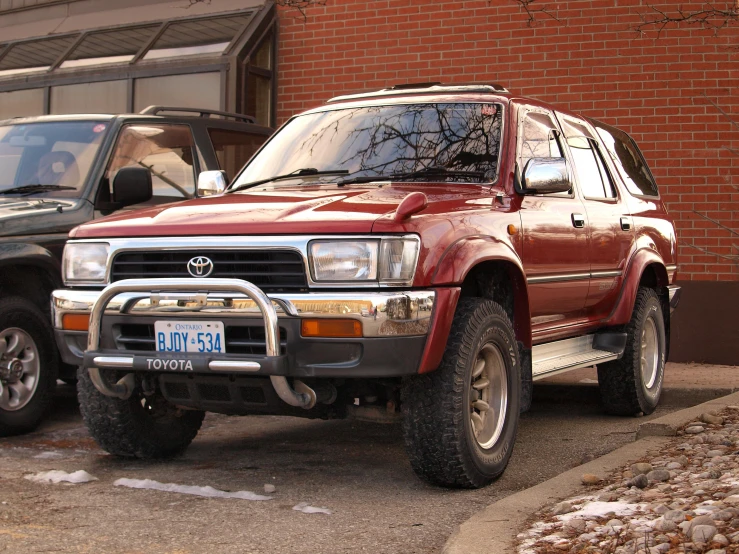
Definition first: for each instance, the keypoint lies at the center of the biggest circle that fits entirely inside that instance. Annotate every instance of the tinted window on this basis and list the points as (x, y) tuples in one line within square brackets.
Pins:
[(234, 148), (591, 174), (628, 160), (383, 140)]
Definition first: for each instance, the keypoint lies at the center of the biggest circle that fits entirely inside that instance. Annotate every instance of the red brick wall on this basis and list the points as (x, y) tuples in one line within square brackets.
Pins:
[(591, 61)]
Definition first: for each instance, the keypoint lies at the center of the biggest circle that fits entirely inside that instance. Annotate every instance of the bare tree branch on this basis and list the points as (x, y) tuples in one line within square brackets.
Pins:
[(711, 16), (531, 11)]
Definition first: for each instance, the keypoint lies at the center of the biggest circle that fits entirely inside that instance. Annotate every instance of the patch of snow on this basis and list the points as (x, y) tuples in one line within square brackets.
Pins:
[(58, 476), (306, 509), (599, 509), (48, 454), (208, 492)]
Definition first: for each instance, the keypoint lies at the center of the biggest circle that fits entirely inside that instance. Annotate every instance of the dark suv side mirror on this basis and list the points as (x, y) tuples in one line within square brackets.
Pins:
[(132, 185), (546, 176)]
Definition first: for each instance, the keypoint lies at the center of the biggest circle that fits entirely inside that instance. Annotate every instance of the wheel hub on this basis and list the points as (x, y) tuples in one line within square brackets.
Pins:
[(20, 368), (11, 371), (488, 396)]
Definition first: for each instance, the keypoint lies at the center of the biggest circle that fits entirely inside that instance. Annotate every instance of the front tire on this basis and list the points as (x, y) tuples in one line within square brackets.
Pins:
[(460, 421), (633, 384), (28, 365), (139, 426)]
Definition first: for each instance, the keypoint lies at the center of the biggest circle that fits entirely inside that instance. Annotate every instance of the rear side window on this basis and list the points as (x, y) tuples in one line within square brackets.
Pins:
[(628, 160), (591, 173), (234, 148)]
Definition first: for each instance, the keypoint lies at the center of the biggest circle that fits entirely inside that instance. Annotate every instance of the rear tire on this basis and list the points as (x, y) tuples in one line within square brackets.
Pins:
[(452, 439), (140, 426), (633, 384), (28, 365)]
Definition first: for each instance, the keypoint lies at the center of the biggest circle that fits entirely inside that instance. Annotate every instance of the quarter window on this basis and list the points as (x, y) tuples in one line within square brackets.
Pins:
[(539, 138), (628, 160)]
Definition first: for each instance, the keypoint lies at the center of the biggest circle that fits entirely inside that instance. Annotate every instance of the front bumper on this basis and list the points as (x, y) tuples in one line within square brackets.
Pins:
[(395, 327)]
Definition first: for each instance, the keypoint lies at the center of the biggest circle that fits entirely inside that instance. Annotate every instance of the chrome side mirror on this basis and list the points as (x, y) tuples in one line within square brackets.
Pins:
[(211, 182), (546, 176)]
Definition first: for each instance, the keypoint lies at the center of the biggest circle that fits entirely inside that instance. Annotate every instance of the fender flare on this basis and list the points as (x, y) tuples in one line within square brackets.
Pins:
[(20, 253), (465, 254), (640, 261)]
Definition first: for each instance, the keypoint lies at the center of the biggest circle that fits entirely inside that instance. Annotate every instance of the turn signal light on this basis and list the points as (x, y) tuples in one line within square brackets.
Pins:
[(334, 328), (75, 322)]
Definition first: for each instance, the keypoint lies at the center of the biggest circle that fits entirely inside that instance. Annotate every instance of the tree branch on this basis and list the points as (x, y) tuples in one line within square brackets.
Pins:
[(531, 11), (710, 16)]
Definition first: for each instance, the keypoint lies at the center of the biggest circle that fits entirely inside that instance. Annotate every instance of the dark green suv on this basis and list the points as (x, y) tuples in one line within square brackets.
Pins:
[(57, 172)]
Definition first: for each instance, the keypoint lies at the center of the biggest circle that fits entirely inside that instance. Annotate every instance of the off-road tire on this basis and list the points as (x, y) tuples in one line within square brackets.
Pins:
[(19, 313), (623, 390), (438, 433), (127, 428)]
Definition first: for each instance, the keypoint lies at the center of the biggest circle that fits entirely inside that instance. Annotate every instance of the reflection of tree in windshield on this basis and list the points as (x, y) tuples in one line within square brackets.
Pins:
[(397, 139)]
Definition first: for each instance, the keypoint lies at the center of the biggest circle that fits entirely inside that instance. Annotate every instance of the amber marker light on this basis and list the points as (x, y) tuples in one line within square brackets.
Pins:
[(75, 322), (333, 328), (512, 229)]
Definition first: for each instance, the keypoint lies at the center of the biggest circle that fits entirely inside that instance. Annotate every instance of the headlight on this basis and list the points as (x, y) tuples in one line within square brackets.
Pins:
[(85, 262), (389, 261), (344, 260)]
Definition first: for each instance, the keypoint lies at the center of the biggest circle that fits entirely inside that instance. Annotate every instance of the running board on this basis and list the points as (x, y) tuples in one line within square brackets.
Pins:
[(563, 355)]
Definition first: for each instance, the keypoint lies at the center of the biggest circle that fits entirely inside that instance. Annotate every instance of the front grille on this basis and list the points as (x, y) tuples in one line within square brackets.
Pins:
[(239, 339), (270, 270)]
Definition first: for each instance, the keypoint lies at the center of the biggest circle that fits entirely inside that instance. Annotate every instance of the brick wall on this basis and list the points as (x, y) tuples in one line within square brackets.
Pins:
[(590, 60)]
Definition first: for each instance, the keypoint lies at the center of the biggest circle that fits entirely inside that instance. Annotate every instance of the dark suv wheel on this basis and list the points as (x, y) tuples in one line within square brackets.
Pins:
[(28, 365)]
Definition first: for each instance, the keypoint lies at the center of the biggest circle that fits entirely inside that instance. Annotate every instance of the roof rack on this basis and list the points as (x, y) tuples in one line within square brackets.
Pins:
[(425, 88), (156, 110)]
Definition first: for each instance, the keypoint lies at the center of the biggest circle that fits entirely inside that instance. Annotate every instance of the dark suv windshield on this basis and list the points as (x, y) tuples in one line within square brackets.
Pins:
[(57, 155), (384, 141)]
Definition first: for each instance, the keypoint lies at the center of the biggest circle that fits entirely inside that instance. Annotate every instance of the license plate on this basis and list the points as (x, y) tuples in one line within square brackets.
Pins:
[(190, 336)]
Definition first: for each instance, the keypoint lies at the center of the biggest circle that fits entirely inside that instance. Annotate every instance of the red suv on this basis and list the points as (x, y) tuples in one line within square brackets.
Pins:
[(423, 250)]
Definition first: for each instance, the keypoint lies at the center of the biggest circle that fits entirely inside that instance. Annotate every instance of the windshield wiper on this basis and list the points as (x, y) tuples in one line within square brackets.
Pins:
[(306, 171), (34, 189), (426, 172)]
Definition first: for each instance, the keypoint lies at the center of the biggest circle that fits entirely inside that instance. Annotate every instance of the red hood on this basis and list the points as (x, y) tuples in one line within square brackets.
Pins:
[(324, 209)]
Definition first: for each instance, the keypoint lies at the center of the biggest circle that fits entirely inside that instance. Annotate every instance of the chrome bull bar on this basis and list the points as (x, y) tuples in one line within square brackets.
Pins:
[(125, 386)]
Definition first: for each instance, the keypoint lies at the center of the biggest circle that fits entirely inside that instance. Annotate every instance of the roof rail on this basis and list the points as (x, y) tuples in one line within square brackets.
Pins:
[(156, 110), (425, 88)]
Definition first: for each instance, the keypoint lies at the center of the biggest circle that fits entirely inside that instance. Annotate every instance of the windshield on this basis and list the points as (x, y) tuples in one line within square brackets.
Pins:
[(383, 141), (57, 155)]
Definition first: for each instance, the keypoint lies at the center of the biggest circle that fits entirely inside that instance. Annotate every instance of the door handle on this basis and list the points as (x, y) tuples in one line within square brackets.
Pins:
[(625, 223), (578, 220)]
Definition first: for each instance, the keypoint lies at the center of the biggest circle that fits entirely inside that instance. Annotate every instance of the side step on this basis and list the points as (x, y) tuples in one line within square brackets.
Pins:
[(564, 355)]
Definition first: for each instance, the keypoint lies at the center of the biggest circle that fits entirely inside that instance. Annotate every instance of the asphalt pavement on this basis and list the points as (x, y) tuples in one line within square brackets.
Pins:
[(356, 470)]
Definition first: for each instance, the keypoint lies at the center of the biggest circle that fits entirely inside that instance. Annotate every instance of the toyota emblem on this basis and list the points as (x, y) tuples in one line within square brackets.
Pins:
[(200, 266)]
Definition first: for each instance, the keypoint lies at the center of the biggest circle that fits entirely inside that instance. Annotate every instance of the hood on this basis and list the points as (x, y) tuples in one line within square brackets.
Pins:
[(278, 210), (26, 216)]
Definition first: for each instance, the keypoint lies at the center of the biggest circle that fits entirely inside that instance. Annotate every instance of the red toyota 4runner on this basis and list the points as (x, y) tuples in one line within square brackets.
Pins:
[(425, 248)]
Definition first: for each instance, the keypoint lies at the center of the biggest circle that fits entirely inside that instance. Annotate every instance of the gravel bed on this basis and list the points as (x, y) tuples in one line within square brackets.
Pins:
[(684, 498)]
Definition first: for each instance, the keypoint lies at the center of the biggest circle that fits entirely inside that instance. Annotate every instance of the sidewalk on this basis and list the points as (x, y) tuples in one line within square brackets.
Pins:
[(493, 530)]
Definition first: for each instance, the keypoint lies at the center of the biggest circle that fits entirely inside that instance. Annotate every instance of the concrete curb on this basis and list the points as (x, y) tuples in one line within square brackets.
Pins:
[(493, 530)]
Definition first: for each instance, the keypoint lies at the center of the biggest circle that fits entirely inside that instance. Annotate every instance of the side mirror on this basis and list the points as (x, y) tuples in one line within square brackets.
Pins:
[(546, 176), (131, 185), (211, 182)]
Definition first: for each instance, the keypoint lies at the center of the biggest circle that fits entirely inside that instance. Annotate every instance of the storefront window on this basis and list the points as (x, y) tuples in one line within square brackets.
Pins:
[(21, 103), (104, 97), (198, 90)]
